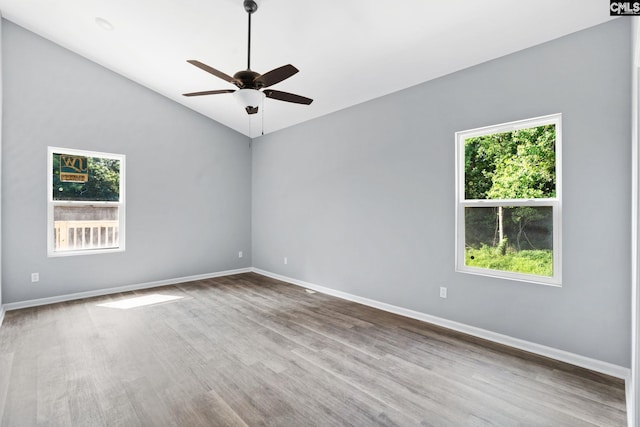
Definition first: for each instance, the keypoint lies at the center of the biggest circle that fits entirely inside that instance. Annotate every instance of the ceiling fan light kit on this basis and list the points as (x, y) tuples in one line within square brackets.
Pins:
[(250, 83), (250, 99)]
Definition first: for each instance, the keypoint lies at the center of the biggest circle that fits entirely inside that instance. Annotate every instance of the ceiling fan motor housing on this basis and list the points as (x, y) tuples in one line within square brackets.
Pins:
[(247, 79)]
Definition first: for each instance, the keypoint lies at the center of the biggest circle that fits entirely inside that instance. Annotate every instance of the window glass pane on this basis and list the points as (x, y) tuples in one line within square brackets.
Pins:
[(92, 178), (516, 239), (519, 164), (85, 227)]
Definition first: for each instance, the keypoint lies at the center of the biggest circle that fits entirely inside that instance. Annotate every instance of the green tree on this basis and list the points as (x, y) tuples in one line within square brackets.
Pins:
[(103, 183), (512, 165), (482, 154), (526, 168)]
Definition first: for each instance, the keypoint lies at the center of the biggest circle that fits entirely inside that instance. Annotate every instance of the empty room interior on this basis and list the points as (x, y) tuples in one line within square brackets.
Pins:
[(393, 214)]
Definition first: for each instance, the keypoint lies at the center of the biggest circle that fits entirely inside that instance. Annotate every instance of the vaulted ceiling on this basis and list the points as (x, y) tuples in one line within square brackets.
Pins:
[(347, 51)]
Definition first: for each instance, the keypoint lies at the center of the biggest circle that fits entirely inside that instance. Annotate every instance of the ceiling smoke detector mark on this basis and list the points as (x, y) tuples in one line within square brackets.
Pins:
[(104, 24)]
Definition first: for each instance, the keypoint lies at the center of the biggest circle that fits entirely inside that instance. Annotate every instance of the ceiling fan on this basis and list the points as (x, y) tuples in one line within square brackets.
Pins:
[(249, 82)]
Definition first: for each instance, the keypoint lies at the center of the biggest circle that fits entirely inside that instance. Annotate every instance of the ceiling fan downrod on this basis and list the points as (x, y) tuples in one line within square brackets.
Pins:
[(250, 7)]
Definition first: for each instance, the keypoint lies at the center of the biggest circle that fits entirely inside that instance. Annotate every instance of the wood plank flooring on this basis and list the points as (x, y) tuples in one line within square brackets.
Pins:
[(247, 350)]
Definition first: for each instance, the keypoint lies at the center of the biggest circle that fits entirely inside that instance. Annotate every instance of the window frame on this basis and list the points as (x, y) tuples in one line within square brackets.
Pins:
[(555, 203), (51, 203)]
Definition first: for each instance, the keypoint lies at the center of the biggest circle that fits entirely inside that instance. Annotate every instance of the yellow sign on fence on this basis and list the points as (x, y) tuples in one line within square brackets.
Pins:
[(73, 168)]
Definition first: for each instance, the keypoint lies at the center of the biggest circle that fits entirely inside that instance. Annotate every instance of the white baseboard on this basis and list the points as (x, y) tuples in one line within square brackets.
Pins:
[(100, 292), (553, 353), (2, 311)]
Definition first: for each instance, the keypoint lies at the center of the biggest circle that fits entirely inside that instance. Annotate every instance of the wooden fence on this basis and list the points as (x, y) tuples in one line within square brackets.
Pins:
[(71, 235)]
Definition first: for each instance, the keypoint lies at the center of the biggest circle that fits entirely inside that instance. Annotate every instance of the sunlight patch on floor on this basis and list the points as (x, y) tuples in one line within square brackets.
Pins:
[(139, 301)]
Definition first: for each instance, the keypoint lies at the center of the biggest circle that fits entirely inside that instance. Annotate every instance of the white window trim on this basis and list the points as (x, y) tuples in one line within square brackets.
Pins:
[(555, 203), (53, 203)]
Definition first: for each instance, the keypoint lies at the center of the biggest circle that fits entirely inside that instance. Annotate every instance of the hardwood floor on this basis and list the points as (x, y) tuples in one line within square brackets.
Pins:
[(249, 350)]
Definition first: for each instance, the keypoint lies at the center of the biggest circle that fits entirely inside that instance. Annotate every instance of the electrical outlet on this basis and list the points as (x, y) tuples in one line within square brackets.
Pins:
[(443, 292), (35, 277), (285, 260), (240, 254)]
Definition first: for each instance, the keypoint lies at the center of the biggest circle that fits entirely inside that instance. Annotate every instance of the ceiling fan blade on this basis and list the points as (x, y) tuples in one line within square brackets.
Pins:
[(209, 92), (212, 70), (287, 97), (251, 110), (276, 76)]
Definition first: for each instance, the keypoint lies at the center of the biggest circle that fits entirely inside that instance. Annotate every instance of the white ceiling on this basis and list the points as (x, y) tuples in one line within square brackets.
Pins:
[(347, 51)]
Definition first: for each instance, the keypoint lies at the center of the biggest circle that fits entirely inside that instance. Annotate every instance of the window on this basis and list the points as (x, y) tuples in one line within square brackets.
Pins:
[(85, 202), (508, 200)]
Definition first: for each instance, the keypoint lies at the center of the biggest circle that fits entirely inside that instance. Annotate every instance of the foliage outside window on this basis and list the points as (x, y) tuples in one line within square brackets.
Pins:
[(508, 200), (85, 202)]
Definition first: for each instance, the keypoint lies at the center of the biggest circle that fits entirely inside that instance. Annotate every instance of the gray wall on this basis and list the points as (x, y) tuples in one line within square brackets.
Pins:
[(188, 178), (1, 115), (362, 200), (633, 400)]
